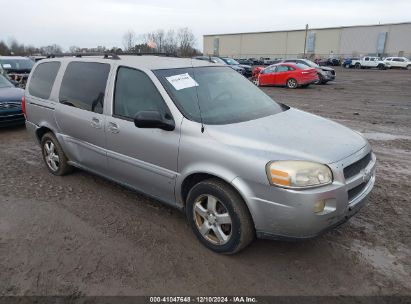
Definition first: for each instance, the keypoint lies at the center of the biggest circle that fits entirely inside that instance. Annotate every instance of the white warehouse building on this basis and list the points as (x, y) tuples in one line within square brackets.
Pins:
[(347, 41)]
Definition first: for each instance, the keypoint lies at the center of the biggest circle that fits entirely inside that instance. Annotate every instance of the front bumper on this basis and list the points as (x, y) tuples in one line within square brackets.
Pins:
[(289, 214), (328, 76), (9, 119)]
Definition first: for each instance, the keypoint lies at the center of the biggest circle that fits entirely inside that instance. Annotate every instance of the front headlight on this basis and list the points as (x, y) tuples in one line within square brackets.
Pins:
[(298, 174)]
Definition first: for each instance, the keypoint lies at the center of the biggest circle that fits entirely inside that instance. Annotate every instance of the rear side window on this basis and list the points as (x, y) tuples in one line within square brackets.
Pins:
[(43, 79), (136, 92), (302, 66), (282, 68), (84, 85)]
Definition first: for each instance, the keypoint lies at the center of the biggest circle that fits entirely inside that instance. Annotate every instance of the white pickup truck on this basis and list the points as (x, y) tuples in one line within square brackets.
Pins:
[(398, 62), (369, 62)]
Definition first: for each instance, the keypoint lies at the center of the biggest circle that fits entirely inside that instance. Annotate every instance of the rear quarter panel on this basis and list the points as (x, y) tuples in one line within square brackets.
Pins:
[(40, 112)]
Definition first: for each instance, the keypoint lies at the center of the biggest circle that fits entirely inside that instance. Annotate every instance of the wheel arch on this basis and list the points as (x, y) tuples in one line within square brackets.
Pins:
[(43, 130), (191, 180), (194, 178)]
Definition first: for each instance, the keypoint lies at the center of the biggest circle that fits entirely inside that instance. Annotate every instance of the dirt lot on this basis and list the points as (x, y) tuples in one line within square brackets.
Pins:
[(83, 235)]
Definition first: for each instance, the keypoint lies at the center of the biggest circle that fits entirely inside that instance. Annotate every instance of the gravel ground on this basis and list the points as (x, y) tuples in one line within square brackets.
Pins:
[(82, 235)]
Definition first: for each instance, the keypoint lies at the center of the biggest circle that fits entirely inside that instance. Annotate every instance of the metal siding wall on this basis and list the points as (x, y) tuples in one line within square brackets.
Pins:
[(230, 45), (295, 43), (327, 41), (399, 39), (360, 41), (208, 45), (263, 44)]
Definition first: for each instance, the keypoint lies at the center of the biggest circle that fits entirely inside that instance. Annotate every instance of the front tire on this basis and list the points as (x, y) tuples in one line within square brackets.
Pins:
[(408, 67), (219, 217), (53, 155)]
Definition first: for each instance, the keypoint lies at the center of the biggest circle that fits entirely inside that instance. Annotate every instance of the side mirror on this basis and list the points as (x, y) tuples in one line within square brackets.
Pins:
[(153, 120)]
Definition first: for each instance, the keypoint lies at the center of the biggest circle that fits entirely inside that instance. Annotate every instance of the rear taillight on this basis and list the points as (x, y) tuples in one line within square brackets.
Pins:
[(23, 106)]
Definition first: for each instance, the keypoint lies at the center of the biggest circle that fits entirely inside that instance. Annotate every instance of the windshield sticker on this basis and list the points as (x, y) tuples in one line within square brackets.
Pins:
[(6, 66), (182, 81)]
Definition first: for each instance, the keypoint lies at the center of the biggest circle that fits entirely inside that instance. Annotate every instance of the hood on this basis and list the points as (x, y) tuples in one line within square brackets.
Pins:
[(290, 135), (326, 68), (248, 67), (11, 94), (237, 67)]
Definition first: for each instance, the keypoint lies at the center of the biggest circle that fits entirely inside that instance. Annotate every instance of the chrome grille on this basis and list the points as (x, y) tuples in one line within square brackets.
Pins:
[(355, 168), (10, 105)]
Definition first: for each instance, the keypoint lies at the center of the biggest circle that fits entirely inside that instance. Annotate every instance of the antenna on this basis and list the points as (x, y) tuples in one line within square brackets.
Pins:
[(198, 100)]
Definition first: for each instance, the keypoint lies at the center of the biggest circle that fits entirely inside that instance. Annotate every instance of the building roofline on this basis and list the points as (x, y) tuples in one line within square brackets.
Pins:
[(310, 29)]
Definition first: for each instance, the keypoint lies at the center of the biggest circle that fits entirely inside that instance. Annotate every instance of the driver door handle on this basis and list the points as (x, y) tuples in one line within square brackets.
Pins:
[(95, 122), (113, 127)]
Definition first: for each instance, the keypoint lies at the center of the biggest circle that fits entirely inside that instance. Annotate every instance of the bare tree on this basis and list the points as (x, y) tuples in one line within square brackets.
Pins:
[(186, 42), (74, 49), (170, 45), (51, 49), (4, 49), (129, 40), (15, 47)]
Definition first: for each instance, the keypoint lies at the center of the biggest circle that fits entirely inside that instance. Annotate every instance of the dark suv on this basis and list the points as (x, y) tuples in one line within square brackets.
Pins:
[(248, 70)]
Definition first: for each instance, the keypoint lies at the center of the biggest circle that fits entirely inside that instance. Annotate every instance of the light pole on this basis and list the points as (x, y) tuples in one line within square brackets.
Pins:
[(305, 39)]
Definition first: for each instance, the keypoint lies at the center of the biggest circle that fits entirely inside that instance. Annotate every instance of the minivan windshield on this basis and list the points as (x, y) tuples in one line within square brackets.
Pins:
[(223, 95)]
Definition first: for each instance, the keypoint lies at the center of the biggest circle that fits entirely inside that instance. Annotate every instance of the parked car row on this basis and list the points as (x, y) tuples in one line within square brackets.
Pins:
[(293, 73), (261, 61), (243, 69), (377, 62), (398, 62)]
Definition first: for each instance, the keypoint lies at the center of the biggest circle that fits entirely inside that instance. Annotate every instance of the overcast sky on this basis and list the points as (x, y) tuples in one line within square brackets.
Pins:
[(88, 23)]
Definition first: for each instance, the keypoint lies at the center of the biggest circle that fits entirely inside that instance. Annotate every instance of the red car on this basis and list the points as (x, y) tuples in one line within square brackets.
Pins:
[(291, 75)]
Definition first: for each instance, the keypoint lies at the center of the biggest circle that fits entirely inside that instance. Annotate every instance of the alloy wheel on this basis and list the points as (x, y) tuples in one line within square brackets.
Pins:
[(51, 155), (291, 83), (212, 219)]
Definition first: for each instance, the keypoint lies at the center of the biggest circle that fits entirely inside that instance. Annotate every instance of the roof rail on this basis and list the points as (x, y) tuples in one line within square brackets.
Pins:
[(108, 55), (148, 54), (105, 55)]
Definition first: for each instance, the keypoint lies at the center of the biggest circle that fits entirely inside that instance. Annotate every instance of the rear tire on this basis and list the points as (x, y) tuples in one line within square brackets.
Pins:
[(219, 217), (53, 155), (408, 67), (381, 67), (358, 66), (292, 83)]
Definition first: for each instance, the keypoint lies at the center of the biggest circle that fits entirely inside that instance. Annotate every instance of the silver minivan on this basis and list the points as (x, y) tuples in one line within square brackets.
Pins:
[(202, 138)]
